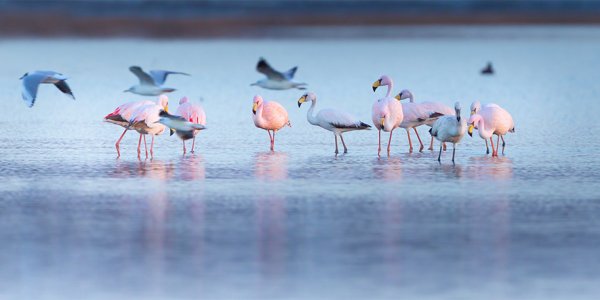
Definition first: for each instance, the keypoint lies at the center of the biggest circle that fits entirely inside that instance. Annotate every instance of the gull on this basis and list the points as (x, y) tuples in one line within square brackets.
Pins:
[(387, 112), (491, 119), (334, 120), (151, 84), (194, 114), (270, 116), (185, 129), (31, 81), (145, 121), (422, 113), (276, 80), (449, 129)]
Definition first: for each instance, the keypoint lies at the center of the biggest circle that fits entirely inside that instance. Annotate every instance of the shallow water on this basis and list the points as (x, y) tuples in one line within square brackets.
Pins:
[(237, 221)]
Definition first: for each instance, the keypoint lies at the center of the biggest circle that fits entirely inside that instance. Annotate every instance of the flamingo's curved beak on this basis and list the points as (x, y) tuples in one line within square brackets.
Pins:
[(301, 100), (470, 131), (398, 97), (254, 108), (376, 84), (171, 131), (382, 121), (472, 112)]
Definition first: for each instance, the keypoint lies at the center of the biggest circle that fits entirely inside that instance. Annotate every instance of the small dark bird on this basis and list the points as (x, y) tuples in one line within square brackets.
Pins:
[(488, 70)]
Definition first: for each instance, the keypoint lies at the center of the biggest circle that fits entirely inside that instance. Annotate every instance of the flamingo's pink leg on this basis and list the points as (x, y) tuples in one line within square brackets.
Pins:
[(390, 141), (183, 142), (193, 143), (379, 148), (503, 144), (139, 145), (146, 146), (497, 144), (492, 143), (418, 137), (431, 144), (273, 143), (271, 138), (152, 147), (336, 144), (343, 143), (119, 141), (410, 149)]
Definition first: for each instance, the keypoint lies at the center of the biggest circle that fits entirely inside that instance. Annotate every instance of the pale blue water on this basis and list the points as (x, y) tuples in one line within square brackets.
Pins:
[(236, 221)]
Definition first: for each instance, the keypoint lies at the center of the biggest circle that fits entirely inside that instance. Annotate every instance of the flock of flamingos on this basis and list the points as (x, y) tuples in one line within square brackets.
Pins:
[(388, 113)]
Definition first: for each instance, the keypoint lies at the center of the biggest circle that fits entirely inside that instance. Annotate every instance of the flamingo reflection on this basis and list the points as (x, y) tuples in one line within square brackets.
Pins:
[(271, 166)]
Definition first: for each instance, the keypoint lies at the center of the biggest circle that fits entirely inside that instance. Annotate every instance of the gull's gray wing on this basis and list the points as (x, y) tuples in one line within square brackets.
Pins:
[(63, 87), (160, 76), (144, 78), (265, 68), (29, 87)]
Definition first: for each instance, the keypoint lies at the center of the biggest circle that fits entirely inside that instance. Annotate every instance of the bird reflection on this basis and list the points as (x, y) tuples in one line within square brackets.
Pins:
[(154, 169), (487, 167), (389, 169), (270, 166), (192, 167)]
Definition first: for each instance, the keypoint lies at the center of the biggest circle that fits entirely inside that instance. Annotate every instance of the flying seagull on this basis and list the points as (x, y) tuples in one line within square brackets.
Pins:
[(151, 84), (277, 80), (32, 80)]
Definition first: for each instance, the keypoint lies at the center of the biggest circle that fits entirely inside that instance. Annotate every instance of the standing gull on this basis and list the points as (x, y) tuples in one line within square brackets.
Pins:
[(277, 80), (151, 84), (449, 129), (387, 112), (31, 81), (184, 128), (333, 120), (270, 116)]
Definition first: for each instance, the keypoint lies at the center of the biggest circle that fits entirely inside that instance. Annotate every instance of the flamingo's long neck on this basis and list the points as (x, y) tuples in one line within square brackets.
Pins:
[(483, 133), (259, 111), (390, 86), (309, 115)]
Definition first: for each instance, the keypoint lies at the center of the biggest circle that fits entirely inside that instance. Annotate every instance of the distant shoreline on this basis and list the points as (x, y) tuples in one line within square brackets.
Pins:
[(61, 25)]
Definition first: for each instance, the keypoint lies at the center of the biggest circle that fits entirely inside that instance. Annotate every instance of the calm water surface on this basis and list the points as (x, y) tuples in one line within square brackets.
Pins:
[(236, 221)]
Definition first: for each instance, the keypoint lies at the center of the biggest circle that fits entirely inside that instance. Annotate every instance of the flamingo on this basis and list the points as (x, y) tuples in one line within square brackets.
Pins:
[(32, 80), (333, 120), (194, 114), (449, 129), (145, 121), (387, 112), (431, 107), (121, 115), (270, 116), (491, 119)]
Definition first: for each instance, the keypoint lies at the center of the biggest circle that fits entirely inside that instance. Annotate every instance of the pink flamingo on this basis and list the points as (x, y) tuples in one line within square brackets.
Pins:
[(489, 120), (121, 115), (145, 121), (193, 113), (270, 116), (386, 112)]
